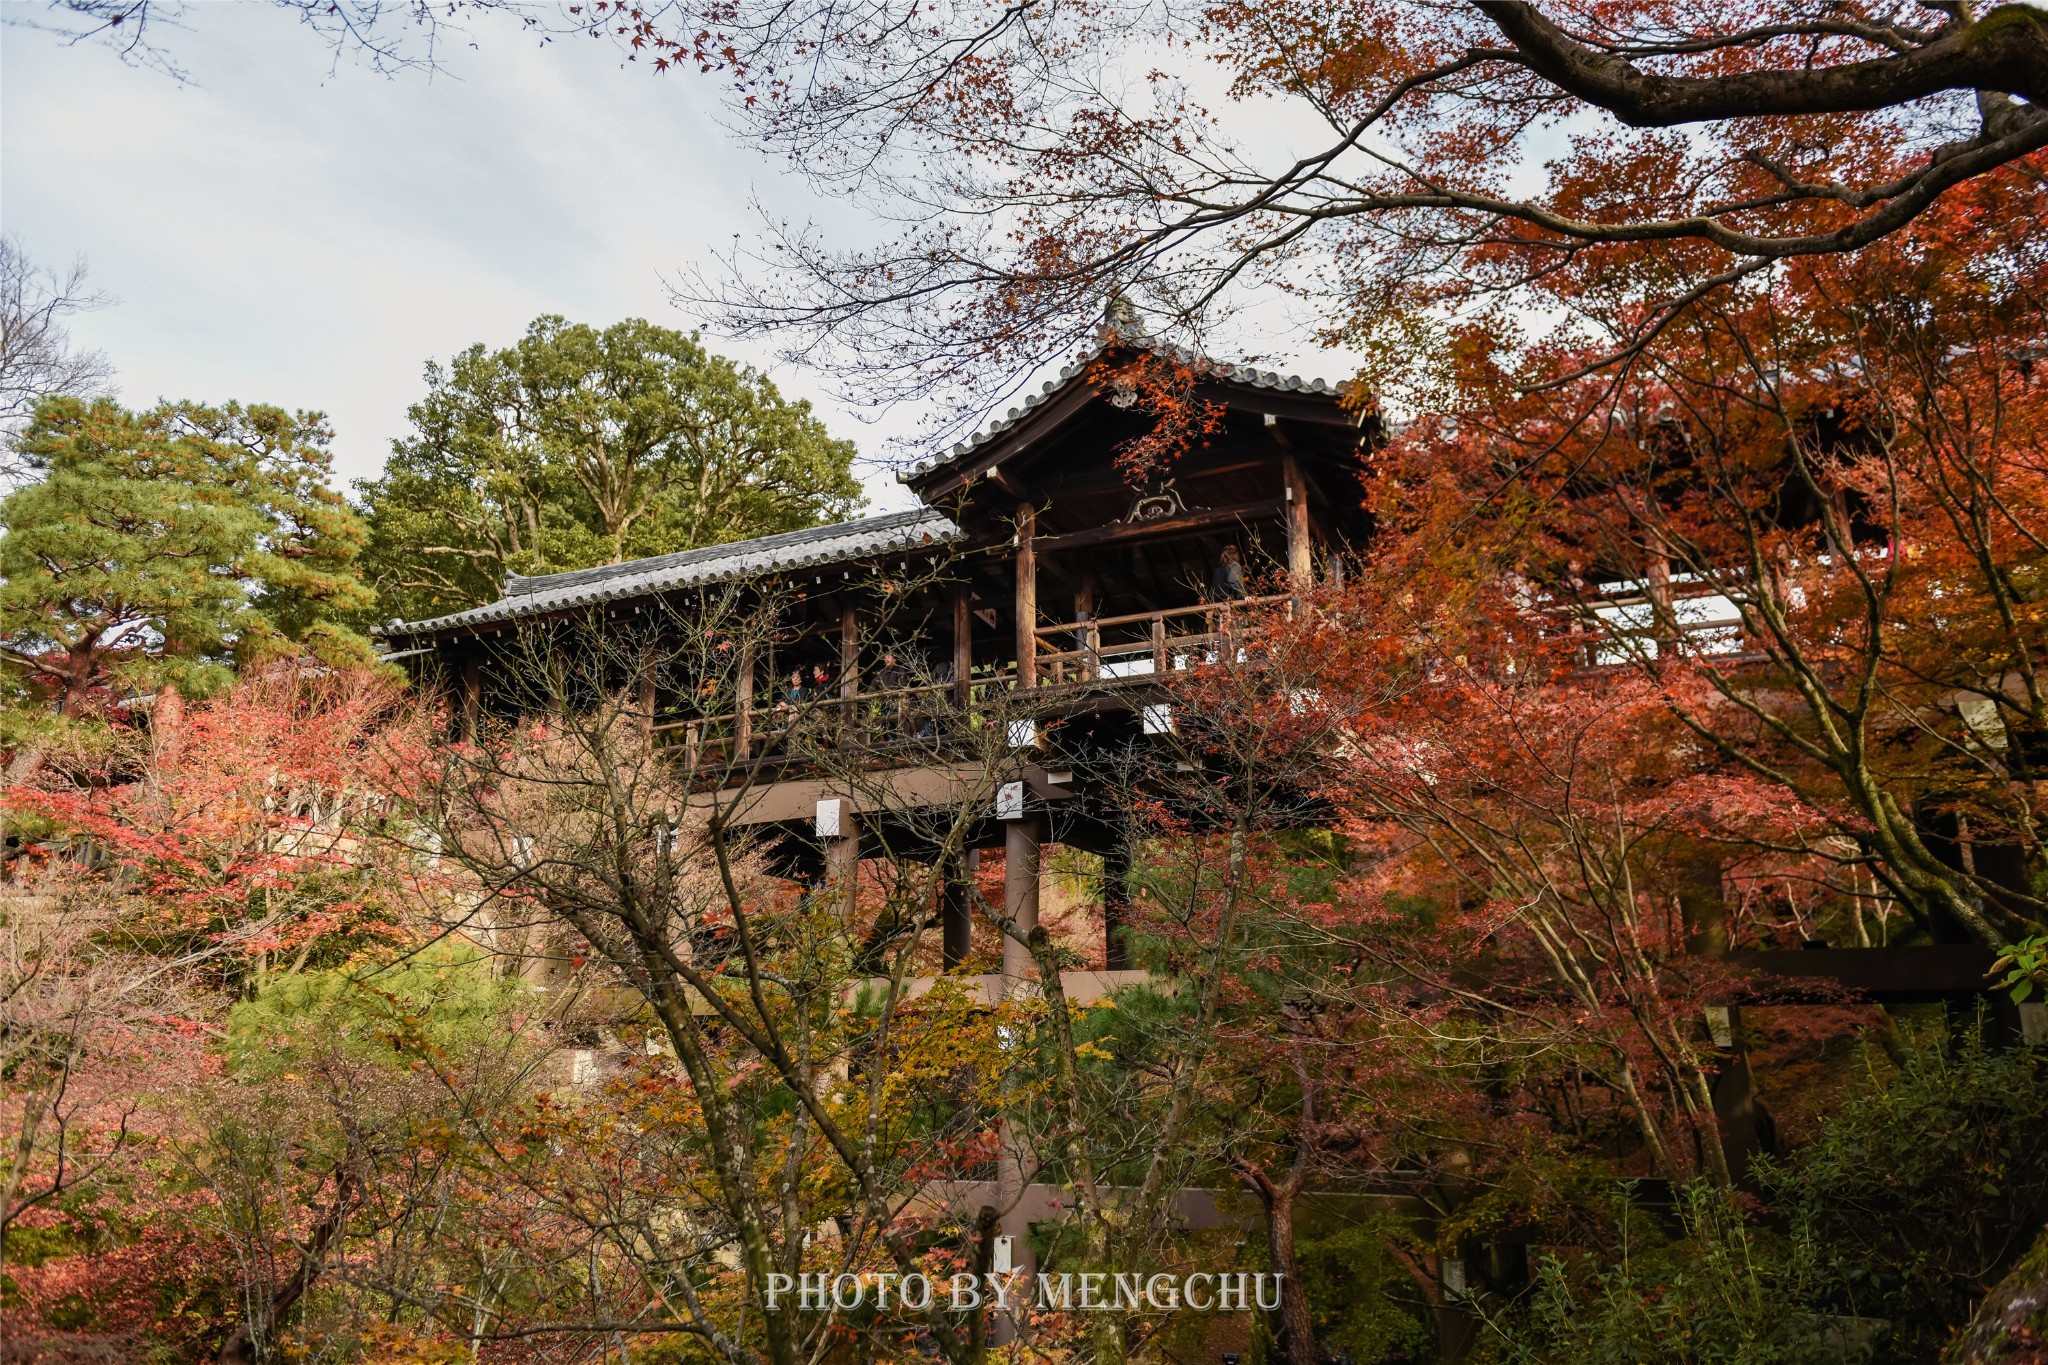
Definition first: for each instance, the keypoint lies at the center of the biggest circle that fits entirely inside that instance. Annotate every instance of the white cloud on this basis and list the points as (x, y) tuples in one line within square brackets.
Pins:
[(281, 233)]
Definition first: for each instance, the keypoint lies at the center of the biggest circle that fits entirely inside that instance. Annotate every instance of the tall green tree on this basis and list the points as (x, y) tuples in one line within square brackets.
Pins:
[(579, 447), (171, 542)]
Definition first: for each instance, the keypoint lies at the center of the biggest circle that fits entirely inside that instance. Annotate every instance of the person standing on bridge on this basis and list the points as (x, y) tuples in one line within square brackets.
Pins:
[(1227, 583)]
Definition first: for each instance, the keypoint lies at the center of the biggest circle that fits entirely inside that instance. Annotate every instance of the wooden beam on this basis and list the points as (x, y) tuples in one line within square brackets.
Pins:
[(1886, 976), (1147, 530), (1185, 473)]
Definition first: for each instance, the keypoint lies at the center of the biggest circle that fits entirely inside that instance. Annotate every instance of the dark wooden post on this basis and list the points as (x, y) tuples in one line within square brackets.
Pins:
[(743, 722), (1090, 637), (646, 692), (849, 660), (963, 646), (1116, 908), (471, 720), (956, 906), (1015, 1161), (1020, 897), (1299, 565), (1027, 595), (1741, 1127), (842, 865)]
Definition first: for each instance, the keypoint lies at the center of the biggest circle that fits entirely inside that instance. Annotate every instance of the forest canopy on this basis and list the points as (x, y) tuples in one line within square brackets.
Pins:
[(578, 446)]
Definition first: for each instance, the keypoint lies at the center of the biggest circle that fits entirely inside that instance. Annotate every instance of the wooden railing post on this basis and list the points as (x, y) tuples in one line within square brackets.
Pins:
[(1159, 642)]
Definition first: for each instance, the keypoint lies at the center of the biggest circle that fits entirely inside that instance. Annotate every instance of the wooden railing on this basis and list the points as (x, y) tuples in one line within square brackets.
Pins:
[(1108, 649), (905, 713), (1623, 627), (1146, 643)]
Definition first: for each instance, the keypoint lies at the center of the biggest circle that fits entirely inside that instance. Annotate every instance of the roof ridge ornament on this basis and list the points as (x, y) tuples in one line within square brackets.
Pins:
[(1122, 320)]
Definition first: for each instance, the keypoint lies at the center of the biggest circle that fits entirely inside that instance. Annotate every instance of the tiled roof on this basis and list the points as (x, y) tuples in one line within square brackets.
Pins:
[(1237, 374), (850, 540)]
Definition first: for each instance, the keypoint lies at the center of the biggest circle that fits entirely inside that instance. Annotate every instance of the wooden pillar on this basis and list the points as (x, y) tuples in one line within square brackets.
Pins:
[(963, 645), (470, 722), (1027, 595), (1020, 898), (1741, 1127), (1300, 567), (743, 703), (1016, 1164), (644, 700), (1658, 589), (956, 906), (849, 660), (842, 867), (1090, 637), (1116, 908)]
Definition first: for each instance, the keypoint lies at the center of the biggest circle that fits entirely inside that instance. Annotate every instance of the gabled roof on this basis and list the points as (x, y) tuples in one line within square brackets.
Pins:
[(544, 594), (1071, 372)]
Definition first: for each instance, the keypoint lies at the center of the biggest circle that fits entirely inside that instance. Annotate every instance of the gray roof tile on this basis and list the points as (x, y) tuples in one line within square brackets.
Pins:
[(1240, 374), (543, 594)]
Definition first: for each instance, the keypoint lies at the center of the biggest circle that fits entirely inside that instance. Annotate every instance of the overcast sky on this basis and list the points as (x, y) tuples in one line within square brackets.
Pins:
[(280, 231), (276, 233)]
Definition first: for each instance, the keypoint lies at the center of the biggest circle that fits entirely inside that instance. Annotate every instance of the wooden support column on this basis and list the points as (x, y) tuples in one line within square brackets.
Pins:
[(645, 698), (956, 906), (1116, 908), (1658, 590), (470, 722), (1300, 567), (842, 868), (849, 660), (1027, 595), (1742, 1127), (1016, 1164), (743, 703), (963, 645), (1091, 638), (1020, 898)]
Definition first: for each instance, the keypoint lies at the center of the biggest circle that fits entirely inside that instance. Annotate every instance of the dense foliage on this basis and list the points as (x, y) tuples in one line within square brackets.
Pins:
[(166, 544), (578, 446)]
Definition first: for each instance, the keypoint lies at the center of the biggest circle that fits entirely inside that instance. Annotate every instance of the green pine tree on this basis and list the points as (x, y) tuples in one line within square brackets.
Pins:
[(168, 544), (579, 447)]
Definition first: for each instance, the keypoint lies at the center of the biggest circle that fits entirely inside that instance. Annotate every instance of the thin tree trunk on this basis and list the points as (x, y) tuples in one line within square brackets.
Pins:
[(243, 1346), (1297, 1331)]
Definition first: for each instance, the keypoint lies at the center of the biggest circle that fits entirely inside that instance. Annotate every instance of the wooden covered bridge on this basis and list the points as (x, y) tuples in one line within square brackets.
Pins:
[(1031, 570), (1034, 581)]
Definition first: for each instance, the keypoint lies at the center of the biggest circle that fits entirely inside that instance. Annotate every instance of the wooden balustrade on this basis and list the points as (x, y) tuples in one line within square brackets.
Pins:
[(1151, 645), (1110, 649)]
